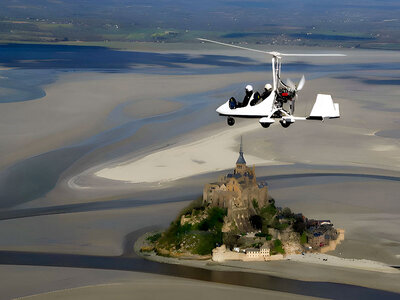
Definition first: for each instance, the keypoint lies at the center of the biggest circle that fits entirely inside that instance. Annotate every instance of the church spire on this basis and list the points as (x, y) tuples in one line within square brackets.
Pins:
[(241, 159)]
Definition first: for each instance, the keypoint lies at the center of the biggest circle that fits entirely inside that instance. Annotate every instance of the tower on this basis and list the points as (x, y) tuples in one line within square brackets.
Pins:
[(241, 162)]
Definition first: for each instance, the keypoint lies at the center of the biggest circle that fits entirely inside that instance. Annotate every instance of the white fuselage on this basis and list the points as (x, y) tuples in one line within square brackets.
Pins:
[(262, 109), (265, 108)]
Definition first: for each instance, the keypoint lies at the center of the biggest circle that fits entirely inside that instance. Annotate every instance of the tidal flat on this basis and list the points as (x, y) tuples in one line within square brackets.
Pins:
[(71, 121)]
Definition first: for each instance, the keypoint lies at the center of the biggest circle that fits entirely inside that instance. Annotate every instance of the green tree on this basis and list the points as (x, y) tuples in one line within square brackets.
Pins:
[(214, 221), (154, 238), (287, 213), (255, 205), (303, 238), (230, 240), (277, 248)]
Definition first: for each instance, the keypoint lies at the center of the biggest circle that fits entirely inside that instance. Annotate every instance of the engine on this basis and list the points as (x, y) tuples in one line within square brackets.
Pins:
[(284, 95)]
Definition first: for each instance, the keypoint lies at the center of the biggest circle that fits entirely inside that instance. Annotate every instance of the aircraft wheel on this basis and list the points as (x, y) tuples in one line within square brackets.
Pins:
[(231, 121), (265, 125), (284, 123)]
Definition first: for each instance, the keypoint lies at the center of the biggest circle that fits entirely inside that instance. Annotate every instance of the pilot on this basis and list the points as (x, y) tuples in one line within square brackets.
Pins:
[(247, 97), (267, 91)]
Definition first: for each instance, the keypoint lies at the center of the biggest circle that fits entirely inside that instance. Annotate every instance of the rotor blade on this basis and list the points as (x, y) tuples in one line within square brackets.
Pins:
[(290, 84), (301, 83), (309, 54), (234, 46), (273, 53)]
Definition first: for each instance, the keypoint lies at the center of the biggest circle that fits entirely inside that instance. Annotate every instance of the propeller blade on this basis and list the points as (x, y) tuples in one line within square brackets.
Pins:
[(301, 83), (290, 84)]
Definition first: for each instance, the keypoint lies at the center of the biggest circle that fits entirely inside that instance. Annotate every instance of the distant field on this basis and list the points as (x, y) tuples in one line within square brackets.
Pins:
[(363, 24)]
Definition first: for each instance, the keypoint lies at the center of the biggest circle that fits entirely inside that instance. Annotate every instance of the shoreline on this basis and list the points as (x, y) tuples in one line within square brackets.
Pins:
[(310, 267)]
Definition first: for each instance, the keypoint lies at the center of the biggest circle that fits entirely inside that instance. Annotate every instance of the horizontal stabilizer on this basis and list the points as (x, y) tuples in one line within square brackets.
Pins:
[(324, 108)]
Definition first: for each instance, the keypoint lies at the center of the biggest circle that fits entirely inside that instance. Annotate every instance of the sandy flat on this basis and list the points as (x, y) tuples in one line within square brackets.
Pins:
[(214, 153), (333, 261)]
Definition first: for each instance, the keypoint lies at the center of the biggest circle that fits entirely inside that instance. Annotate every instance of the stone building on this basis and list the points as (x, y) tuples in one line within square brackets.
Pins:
[(238, 192), (258, 254)]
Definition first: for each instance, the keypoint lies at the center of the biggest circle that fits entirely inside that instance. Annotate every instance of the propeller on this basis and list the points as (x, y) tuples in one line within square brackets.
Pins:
[(290, 84), (297, 87), (301, 83)]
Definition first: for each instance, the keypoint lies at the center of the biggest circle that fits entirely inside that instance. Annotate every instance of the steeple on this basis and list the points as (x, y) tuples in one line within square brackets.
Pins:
[(241, 159)]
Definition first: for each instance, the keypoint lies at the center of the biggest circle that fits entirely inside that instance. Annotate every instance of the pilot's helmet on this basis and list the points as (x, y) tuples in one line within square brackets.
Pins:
[(268, 87), (249, 88)]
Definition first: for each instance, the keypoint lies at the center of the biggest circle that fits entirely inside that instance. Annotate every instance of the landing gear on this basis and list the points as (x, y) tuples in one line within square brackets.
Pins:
[(284, 123), (231, 121), (265, 125)]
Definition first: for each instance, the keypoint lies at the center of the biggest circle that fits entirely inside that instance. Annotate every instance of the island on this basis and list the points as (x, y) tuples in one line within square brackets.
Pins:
[(237, 219)]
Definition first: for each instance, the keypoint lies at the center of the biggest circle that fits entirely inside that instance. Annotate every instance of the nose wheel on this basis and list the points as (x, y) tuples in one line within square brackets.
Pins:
[(230, 121), (284, 123)]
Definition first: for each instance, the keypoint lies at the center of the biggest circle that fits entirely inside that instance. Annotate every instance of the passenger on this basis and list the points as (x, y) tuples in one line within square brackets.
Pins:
[(247, 97), (267, 91), (256, 99), (232, 103)]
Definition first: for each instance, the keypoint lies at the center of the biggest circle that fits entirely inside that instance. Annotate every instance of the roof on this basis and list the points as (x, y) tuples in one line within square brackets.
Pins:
[(253, 250), (241, 159), (236, 176)]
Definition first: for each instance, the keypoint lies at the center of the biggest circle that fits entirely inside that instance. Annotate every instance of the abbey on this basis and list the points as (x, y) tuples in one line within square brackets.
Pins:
[(239, 193)]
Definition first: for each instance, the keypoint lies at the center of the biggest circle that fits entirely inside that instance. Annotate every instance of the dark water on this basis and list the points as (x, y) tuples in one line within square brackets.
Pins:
[(130, 262), (30, 56)]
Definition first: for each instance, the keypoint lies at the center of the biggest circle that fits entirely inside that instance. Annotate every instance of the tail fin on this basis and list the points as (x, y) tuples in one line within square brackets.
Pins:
[(324, 108)]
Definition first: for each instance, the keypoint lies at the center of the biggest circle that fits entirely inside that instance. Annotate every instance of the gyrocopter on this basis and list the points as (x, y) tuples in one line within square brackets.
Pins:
[(272, 104)]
